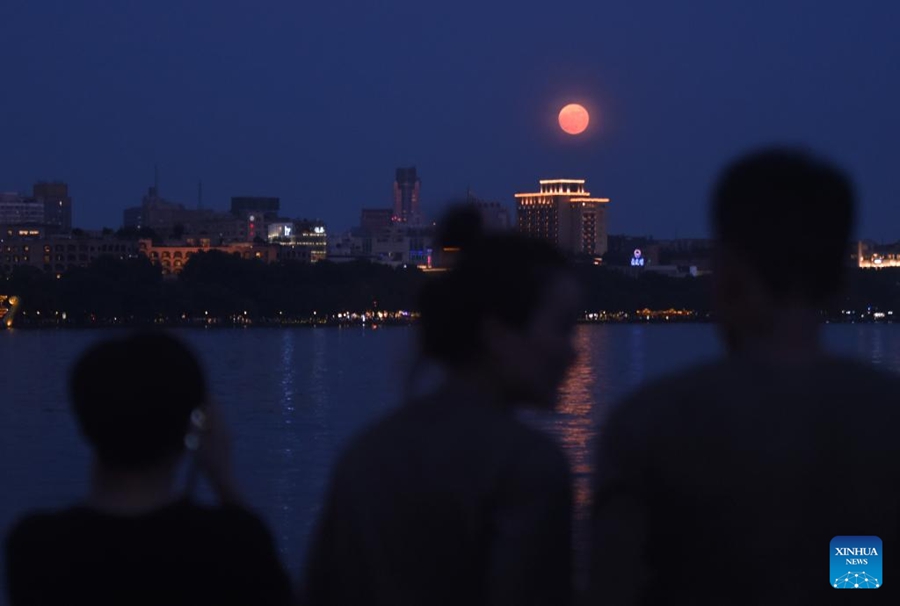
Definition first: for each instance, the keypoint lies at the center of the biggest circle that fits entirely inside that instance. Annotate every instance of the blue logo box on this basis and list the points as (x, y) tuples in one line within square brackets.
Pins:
[(856, 563)]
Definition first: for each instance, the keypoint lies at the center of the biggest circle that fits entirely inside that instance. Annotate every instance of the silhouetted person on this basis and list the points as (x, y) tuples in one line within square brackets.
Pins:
[(137, 539), (451, 499), (726, 484), (460, 227)]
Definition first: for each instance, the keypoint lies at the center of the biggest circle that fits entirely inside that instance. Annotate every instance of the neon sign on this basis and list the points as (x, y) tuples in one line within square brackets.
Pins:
[(637, 260)]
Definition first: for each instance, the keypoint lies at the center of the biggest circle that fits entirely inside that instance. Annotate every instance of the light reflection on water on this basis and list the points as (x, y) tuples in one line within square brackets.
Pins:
[(574, 424), (611, 361), (294, 397)]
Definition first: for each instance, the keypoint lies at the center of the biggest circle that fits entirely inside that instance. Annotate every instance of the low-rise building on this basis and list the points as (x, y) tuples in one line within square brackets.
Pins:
[(399, 245), (171, 258), (298, 235), (58, 253), (48, 205)]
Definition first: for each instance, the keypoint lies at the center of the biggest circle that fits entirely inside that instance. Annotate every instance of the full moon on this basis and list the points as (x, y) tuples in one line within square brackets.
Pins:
[(574, 119)]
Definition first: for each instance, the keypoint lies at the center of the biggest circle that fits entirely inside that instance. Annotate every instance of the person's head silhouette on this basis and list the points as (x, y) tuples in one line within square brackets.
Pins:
[(140, 402), (782, 218), (133, 398), (503, 317)]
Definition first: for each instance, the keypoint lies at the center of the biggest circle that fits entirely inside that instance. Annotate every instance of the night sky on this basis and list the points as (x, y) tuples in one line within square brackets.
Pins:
[(319, 102)]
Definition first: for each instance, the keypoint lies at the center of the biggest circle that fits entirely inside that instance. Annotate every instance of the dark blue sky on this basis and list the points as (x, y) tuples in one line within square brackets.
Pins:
[(317, 103)]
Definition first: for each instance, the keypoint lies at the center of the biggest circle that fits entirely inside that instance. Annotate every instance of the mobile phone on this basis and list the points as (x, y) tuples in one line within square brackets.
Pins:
[(192, 442)]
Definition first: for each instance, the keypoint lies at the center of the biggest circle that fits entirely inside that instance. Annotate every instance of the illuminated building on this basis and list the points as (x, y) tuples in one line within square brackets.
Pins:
[(256, 227), (172, 258), (302, 240), (313, 236), (282, 231), (564, 213), (406, 195), (21, 232), (870, 255)]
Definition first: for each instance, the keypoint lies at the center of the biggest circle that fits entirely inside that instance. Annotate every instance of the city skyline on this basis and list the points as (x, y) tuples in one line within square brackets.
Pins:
[(429, 213), (319, 104)]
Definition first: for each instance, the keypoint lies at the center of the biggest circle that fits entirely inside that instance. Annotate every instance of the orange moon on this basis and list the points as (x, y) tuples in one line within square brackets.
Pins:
[(574, 119)]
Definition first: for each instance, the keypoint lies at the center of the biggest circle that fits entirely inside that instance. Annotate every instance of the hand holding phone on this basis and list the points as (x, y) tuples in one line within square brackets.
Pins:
[(211, 442)]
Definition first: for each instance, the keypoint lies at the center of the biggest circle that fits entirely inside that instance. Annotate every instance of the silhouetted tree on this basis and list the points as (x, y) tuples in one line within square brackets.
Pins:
[(224, 285)]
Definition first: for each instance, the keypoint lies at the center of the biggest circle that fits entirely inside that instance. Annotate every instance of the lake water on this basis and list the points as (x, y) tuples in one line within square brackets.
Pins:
[(293, 397)]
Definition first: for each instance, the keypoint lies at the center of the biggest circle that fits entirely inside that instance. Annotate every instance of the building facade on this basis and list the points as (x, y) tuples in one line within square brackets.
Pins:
[(564, 213), (19, 209), (158, 214), (399, 245), (299, 236), (373, 220), (49, 206), (58, 253), (54, 197), (173, 220), (407, 188), (171, 258), (496, 217)]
